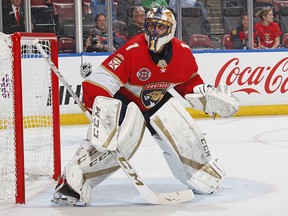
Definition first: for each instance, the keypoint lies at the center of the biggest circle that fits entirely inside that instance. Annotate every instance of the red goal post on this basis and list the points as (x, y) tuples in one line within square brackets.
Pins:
[(29, 113)]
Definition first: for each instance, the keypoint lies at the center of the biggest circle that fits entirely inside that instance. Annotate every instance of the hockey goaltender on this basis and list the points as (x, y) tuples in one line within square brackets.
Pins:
[(129, 92)]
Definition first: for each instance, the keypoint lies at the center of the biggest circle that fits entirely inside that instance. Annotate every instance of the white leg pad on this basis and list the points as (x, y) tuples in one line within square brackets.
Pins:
[(104, 126), (207, 179), (185, 148), (172, 159), (75, 179), (90, 167)]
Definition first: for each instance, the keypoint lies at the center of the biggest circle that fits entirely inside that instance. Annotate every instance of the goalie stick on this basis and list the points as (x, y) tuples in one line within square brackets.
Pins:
[(149, 195), (144, 190)]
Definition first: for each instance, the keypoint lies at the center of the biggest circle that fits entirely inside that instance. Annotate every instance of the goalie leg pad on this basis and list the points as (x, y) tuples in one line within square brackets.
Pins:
[(172, 159), (78, 183), (90, 167), (104, 126), (209, 177), (75, 184), (185, 148)]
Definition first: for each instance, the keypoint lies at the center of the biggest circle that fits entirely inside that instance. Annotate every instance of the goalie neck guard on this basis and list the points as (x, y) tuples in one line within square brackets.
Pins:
[(159, 27)]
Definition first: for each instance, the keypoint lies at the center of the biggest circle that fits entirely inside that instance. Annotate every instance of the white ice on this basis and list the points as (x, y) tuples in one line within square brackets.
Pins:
[(252, 150)]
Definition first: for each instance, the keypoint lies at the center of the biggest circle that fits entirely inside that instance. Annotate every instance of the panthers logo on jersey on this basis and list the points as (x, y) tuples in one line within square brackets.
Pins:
[(152, 93)]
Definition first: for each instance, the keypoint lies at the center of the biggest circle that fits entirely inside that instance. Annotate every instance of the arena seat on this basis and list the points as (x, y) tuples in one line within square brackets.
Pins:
[(277, 5), (44, 19), (192, 22), (231, 18), (37, 2), (199, 41), (62, 1), (63, 13), (86, 7), (283, 19), (284, 40), (66, 45), (64, 10), (230, 3)]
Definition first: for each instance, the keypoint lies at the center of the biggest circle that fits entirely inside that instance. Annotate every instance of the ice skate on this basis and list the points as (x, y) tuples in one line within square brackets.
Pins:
[(65, 195)]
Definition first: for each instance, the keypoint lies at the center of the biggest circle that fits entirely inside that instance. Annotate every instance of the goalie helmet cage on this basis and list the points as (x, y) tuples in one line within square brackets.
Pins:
[(29, 113)]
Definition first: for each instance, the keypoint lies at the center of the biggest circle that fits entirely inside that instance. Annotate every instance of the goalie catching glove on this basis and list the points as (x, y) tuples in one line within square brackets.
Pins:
[(220, 100)]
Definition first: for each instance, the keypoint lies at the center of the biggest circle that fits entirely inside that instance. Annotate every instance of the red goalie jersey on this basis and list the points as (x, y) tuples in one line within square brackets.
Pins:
[(132, 72)]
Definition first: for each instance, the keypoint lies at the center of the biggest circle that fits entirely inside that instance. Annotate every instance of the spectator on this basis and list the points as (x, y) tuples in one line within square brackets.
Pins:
[(13, 17), (123, 6), (99, 6), (239, 35), (92, 42), (151, 4), (137, 26), (119, 33), (267, 30), (96, 41)]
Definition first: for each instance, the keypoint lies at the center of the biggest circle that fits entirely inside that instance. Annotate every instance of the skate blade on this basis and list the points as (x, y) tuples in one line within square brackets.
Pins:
[(63, 200)]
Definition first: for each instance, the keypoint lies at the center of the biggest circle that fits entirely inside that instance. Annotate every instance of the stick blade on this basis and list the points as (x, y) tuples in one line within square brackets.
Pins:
[(174, 197)]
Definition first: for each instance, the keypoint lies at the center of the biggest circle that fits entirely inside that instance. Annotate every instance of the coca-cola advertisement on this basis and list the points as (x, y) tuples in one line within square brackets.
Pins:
[(257, 78)]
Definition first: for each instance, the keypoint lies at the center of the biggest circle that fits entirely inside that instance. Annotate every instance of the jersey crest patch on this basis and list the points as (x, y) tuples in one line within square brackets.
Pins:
[(114, 63), (143, 74), (234, 31), (152, 93)]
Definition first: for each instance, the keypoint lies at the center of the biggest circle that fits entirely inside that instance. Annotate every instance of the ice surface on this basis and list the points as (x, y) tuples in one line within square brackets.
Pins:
[(252, 150)]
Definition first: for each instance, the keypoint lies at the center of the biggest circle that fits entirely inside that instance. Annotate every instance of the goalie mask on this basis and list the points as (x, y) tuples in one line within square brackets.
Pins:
[(159, 27)]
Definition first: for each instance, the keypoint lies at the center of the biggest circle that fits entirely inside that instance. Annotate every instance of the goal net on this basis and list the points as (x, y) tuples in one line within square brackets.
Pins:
[(29, 114)]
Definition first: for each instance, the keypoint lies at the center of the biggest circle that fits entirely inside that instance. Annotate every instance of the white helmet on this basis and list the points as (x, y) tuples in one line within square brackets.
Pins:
[(164, 18)]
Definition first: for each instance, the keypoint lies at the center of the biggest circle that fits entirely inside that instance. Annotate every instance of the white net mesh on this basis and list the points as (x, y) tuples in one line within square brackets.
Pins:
[(37, 115), (36, 85), (7, 141)]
